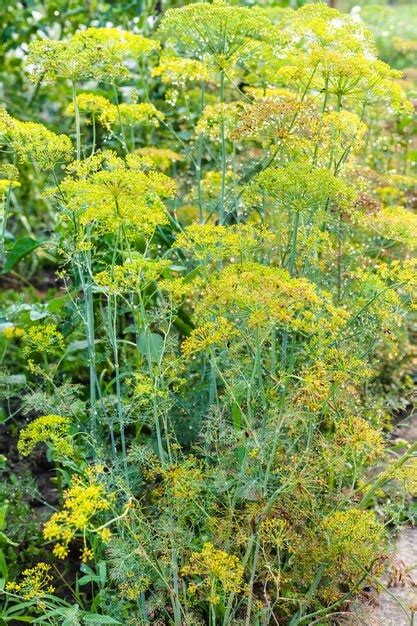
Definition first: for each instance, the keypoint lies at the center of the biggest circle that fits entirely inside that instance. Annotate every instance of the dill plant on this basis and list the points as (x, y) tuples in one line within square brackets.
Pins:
[(235, 252)]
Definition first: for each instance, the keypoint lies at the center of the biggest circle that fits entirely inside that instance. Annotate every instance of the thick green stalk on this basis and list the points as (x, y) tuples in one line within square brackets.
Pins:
[(77, 121), (223, 154), (112, 333)]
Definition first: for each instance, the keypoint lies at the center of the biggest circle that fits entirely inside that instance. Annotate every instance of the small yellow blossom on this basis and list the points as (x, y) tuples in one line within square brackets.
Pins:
[(208, 335), (95, 108), (43, 338), (50, 429), (35, 584), (134, 274), (83, 501), (13, 332), (220, 572), (104, 534), (144, 112), (86, 555)]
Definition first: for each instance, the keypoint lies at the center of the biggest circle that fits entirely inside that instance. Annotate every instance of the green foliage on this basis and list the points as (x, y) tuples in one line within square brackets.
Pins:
[(207, 236)]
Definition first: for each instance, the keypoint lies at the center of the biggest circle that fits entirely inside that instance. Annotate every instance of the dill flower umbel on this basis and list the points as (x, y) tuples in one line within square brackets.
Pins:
[(5, 185), (35, 584), (268, 296), (96, 108), (98, 53), (50, 429), (208, 335), (396, 223), (178, 71), (33, 141), (354, 535), (274, 120), (359, 438), (217, 30), (215, 242), (302, 187), (83, 501), (217, 119), (13, 332), (405, 475), (43, 338), (163, 158), (184, 480), (220, 573), (134, 274), (141, 113), (111, 193)]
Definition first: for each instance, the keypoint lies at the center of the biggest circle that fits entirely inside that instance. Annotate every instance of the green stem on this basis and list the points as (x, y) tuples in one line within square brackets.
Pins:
[(77, 121), (223, 154)]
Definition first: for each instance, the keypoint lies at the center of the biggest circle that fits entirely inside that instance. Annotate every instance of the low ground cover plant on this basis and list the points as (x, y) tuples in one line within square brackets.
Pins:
[(207, 239)]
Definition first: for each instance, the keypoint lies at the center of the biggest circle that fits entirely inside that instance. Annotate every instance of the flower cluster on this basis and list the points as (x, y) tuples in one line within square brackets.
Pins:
[(219, 573), (43, 338), (33, 141), (113, 193), (83, 501), (269, 296), (50, 429), (209, 335), (35, 584), (134, 274), (207, 242), (98, 53)]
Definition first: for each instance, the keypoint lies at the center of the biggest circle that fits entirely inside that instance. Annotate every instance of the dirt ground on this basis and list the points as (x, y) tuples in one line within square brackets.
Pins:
[(396, 605)]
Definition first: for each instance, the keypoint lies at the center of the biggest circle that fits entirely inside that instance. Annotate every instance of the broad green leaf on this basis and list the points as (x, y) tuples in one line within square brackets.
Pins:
[(21, 248), (151, 345)]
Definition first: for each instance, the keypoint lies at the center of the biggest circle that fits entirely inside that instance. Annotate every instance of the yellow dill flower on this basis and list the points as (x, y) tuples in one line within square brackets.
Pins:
[(43, 338), (186, 480), (60, 551), (177, 288), (223, 115), (33, 141), (86, 555), (301, 187), (13, 332), (97, 53), (273, 120), (131, 590), (9, 172), (214, 242), (6, 185), (105, 534), (406, 475), (270, 296), (144, 112), (341, 131), (177, 71), (110, 192), (354, 535), (273, 531), (315, 388), (134, 274), (218, 30), (83, 501), (50, 429), (220, 572), (94, 107), (162, 158), (208, 335), (35, 584), (143, 385), (396, 223), (360, 438)]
